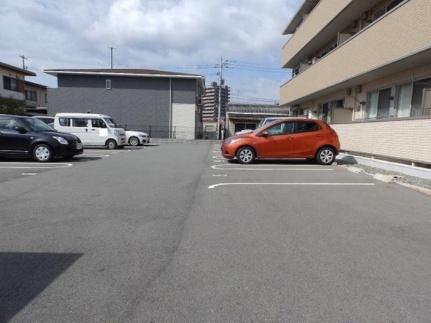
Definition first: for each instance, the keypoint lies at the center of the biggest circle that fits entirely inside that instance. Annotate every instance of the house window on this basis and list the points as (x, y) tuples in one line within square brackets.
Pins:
[(108, 84), (10, 84), (31, 95)]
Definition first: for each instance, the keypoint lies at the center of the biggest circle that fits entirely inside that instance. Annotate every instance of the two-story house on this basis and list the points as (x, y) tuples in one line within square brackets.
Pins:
[(12, 82)]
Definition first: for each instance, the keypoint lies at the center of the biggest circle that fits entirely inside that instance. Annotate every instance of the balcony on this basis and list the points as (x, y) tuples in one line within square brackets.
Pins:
[(327, 25), (398, 40)]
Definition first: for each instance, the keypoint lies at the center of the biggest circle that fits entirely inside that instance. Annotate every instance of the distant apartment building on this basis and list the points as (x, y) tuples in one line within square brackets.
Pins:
[(165, 104), (364, 67), (210, 104)]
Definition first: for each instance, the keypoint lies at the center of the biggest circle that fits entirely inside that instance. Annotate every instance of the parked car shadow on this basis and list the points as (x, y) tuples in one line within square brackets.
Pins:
[(281, 162), (25, 275)]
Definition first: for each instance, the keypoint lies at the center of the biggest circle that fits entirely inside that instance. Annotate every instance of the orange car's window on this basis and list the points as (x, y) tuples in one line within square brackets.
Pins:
[(306, 127), (281, 128)]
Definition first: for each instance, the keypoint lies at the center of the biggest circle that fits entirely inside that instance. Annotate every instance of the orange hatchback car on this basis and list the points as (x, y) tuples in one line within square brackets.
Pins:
[(293, 138)]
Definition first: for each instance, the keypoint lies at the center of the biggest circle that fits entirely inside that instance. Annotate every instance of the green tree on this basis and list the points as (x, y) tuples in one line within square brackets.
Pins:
[(11, 106)]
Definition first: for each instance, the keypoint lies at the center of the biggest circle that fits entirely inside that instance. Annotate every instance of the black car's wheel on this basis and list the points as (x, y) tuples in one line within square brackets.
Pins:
[(134, 141), (325, 156), (42, 153), (246, 155), (111, 144)]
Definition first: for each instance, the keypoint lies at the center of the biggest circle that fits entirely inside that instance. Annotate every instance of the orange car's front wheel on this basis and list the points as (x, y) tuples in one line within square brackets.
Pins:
[(246, 155)]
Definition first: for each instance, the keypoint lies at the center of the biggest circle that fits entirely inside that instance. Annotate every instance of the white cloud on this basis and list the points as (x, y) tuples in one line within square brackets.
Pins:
[(148, 33)]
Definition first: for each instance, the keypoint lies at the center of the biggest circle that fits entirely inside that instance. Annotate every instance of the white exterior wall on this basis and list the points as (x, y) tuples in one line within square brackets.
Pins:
[(184, 120)]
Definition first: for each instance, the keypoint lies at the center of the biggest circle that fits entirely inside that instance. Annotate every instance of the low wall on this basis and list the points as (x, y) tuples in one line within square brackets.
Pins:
[(408, 139)]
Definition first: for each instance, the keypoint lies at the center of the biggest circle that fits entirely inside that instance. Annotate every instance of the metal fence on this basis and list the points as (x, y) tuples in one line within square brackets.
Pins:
[(175, 132)]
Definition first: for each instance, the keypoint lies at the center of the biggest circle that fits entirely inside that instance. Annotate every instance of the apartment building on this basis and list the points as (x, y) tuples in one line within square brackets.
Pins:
[(364, 67), (210, 103)]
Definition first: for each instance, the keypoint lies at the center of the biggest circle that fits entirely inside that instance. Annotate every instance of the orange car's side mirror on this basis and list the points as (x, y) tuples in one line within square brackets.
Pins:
[(264, 134)]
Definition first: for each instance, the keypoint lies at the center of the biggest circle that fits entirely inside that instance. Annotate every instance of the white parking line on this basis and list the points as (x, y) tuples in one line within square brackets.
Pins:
[(93, 155), (24, 165), (219, 175), (28, 174), (292, 184), (298, 168)]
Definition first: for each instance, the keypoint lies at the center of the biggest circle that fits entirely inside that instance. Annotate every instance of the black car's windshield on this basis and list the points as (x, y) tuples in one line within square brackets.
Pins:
[(36, 125), (111, 123)]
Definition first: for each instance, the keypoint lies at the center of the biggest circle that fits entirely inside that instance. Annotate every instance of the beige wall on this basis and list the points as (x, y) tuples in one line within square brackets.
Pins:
[(41, 96), (384, 42), (325, 11), (405, 139), (6, 93)]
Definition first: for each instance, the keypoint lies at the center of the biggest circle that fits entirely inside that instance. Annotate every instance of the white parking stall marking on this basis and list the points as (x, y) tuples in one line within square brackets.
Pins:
[(24, 165), (28, 174), (219, 175), (290, 184), (93, 155), (286, 169)]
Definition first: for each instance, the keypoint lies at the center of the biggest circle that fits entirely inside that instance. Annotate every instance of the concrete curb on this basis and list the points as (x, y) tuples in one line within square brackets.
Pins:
[(386, 165)]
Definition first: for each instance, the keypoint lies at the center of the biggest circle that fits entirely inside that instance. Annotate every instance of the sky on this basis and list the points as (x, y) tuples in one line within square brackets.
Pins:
[(175, 35)]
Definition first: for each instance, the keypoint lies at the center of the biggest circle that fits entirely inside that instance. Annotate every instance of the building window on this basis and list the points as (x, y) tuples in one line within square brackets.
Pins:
[(404, 100), (10, 84), (108, 84), (393, 4), (326, 109), (379, 104), (421, 101), (31, 95)]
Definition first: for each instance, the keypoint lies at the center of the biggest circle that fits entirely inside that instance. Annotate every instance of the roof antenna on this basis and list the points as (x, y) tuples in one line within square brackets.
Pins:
[(112, 56)]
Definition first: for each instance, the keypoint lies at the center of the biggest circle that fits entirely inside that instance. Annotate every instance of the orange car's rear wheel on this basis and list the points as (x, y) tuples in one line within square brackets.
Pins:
[(246, 155), (325, 156)]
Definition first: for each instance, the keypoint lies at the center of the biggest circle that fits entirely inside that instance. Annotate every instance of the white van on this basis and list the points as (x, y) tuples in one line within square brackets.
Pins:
[(92, 129)]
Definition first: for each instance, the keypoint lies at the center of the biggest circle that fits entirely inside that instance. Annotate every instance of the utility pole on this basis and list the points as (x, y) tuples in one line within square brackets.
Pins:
[(222, 65), (23, 62), (112, 56)]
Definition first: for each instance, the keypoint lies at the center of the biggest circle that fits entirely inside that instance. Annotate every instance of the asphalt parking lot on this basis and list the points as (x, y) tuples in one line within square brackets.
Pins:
[(174, 233)]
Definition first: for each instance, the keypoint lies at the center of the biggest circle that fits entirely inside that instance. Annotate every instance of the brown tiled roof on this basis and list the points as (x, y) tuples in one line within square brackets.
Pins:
[(17, 69), (36, 84)]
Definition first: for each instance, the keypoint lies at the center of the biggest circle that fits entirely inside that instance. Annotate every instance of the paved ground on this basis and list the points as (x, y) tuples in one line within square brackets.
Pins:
[(172, 233)]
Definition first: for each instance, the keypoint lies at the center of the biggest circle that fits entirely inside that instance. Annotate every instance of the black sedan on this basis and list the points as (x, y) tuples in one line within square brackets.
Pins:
[(30, 137)]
